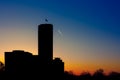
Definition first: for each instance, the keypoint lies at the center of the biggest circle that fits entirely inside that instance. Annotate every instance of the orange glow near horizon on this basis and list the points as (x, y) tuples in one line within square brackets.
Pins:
[(76, 64), (78, 58), (2, 59), (78, 68)]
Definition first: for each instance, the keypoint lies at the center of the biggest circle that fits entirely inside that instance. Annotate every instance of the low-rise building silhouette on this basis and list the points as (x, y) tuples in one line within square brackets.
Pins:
[(19, 64)]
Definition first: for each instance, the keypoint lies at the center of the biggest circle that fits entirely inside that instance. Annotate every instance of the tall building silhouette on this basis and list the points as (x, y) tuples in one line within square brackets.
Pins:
[(45, 42), (41, 66)]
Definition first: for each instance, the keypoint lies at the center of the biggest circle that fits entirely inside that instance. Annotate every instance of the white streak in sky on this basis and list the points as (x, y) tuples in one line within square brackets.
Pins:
[(60, 33)]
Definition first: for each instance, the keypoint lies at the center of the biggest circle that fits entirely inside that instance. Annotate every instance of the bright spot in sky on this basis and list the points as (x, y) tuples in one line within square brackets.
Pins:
[(60, 33)]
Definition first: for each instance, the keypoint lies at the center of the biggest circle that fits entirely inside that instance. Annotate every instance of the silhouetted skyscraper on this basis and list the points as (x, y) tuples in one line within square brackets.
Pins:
[(45, 42)]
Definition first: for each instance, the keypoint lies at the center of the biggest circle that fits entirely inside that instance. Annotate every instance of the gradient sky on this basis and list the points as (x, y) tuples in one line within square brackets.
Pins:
[(86, 32)]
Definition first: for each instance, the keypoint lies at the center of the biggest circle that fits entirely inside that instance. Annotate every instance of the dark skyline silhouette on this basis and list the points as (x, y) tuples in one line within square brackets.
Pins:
[(20, 64), (39, 66)]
